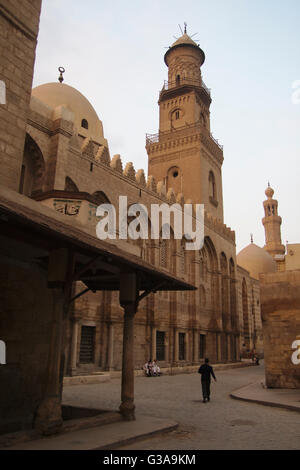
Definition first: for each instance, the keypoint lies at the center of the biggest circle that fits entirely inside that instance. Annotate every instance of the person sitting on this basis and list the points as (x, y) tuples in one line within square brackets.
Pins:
[(148, 368), (155, 369)]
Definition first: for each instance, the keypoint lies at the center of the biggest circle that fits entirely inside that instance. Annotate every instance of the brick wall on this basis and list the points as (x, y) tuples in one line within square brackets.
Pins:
[(280, 305), (26, 307), (19, 21)]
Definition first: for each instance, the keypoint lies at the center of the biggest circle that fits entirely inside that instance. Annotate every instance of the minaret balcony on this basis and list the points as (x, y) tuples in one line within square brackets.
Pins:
[(180, 85), (181, 133), (185, 81)]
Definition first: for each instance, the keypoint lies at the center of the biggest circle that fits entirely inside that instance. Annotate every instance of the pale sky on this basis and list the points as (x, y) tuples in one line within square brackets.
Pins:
[(113, 54)]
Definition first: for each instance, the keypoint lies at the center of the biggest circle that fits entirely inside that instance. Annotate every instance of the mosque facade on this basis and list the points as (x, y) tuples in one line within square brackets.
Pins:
[(67, 166)]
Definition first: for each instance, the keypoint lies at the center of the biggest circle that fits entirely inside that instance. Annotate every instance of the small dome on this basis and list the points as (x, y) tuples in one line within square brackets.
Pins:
[(269, 192), (185, 39), (256, 260), (86, 120)]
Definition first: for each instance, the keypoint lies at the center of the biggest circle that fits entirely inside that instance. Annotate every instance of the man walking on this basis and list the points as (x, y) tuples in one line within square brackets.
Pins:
[(206, 371)]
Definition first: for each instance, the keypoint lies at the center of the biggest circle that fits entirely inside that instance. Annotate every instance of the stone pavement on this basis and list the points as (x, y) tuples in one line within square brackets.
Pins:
[(108, 436), (162, 402), (258, 393)]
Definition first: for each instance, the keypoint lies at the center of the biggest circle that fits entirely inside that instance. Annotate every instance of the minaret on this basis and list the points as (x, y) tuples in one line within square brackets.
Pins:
[(183, 154), (272, 223)]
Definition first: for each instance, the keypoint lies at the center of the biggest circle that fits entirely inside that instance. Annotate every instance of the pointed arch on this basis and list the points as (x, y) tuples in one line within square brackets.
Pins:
[(33, 168), (100, 197), (70, 186)]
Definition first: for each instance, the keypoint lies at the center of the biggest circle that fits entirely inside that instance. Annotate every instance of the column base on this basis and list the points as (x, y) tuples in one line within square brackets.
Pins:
[(48, 418), (127, 411)]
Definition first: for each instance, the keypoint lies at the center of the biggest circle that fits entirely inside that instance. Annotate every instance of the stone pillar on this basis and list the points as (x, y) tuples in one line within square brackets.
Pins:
[(176, 346), (187, 345), (49, 418), (74, 346), (128, 300), (229, 358), (110, 358), (153, 344), (196, 347)]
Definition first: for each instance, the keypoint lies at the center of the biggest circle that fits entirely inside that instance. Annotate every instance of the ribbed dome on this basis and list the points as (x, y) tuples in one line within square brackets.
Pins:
[(58, 94), (256, 260), (185, 39)]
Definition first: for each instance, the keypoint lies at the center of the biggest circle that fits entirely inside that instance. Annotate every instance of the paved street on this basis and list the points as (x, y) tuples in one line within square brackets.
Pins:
[(223, 423)]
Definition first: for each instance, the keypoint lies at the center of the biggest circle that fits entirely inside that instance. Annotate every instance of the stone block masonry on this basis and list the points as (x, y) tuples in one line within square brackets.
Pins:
[(19, 22)]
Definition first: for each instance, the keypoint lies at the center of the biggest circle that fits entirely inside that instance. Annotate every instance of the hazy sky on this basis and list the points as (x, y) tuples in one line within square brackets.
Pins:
[(113, 53)]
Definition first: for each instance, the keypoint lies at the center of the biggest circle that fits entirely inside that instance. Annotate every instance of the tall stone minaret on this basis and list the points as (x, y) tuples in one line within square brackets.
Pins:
[(184, 154), (272, 223)]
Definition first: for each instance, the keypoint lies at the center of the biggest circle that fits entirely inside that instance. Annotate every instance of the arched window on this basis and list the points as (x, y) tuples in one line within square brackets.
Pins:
[(177, 80), (212, 189), (84, 124)]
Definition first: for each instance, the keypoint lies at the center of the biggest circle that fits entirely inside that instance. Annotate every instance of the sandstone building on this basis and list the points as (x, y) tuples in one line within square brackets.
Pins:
[(67, 166)]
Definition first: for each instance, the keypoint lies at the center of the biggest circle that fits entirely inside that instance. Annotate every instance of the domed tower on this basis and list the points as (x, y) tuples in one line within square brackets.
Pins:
[(272, 223), (184, 154)]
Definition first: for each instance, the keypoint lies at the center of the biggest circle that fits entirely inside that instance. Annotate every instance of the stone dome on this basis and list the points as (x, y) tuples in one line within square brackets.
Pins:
[(256, 260), (86, 120), (184, 39), (269, 192)]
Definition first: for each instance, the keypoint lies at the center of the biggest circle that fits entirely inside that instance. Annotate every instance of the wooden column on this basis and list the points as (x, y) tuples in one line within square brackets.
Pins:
[(49, 417), (128, 300)]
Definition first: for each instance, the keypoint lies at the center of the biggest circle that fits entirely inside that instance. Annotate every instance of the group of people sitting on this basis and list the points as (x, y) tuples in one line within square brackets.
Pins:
[(151, 369)]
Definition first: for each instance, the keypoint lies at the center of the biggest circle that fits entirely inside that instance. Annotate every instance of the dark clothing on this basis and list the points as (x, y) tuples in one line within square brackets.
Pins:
[(206, 371), (206, 389)]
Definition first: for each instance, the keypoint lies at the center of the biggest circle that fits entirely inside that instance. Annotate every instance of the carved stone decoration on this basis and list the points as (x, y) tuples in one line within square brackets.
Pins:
[(116, 163), (88, 148), (180, 199), (151, 184), (161, 189), (102, 156), (74, 141), (67, 207), (171, 196), (140, 178), (129, 171)]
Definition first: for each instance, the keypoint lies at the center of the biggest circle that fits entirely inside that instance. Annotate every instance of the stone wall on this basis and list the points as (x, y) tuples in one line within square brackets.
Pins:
[(26, 307), (19, 22), (280, 305)]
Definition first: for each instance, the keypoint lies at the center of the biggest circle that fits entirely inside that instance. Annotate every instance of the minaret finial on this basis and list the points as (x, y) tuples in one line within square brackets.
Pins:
[(251, 236), (268, 184), (61, 71), (185, 25)]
